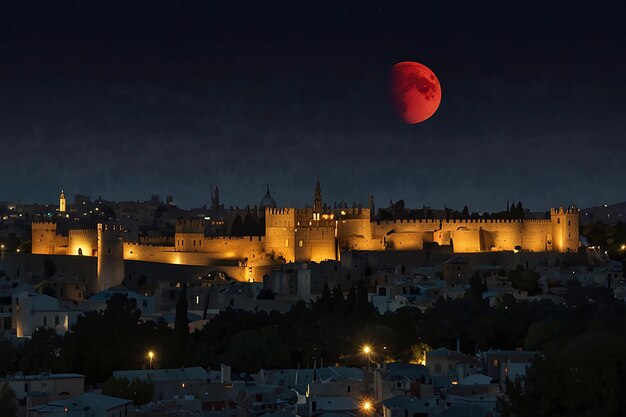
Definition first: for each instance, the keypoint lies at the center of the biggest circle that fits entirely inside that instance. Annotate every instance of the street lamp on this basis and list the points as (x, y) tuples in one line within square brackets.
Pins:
[(367, 351), (150, 357), (367, 406)]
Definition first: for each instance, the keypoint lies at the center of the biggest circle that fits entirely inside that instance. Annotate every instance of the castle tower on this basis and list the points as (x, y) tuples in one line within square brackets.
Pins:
[(565, 229), (370, 204), (110, 255), (62, 207), (317, 201), (43, 237)]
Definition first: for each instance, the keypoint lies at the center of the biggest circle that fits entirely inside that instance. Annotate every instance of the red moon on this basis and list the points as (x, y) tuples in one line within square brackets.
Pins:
[(416, 91)]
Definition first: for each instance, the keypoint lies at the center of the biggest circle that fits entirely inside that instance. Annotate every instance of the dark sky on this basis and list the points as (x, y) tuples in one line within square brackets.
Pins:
[(127, 98)]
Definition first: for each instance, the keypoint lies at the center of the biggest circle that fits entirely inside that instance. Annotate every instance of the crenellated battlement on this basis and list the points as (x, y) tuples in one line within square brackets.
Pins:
[(76, 232), (570, 210), (407, 221), (483, 221), (236, 238), (42, 224), (131, 245), (277, 211), (110, 227), (190, 226)]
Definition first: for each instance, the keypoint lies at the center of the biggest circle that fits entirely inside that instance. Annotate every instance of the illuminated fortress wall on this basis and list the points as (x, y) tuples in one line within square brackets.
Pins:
[(82, 242), (280, 227), (304, 235), (45, 239)]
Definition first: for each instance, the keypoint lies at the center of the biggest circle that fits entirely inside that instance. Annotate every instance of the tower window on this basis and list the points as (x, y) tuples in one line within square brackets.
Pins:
[(558, 221), (300, 243)]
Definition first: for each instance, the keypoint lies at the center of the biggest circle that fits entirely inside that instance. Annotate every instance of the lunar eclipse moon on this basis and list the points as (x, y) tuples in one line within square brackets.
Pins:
[(415, 90)]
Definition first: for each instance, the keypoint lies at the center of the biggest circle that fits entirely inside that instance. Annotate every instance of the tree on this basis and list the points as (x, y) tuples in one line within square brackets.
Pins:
[(181, 322), (8, 401), (250, 226), (48, 269), (266, 294), (476, 289), (585, 378), (39, 353), (525, 280), (418, 353), (325, 301), (236, 229)]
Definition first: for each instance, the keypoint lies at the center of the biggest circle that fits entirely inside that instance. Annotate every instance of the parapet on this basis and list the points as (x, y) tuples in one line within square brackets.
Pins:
[(190, 226), (277, 211), (81, 231), (42, 224), (110, 226), (570, 210)]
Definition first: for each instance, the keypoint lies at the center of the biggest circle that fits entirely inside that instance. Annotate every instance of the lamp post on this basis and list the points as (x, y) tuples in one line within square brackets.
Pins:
[(150, 357)]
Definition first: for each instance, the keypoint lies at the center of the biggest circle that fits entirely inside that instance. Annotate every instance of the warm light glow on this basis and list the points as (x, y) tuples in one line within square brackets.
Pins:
[(367, 349), (367, 406), (151, 355), (622, 248)]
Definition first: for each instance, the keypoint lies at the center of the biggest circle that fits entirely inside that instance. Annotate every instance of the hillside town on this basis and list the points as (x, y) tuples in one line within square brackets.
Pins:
[(89, 335)]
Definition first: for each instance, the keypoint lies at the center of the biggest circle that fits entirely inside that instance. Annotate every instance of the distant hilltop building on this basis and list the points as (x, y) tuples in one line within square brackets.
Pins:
[(315, 234)]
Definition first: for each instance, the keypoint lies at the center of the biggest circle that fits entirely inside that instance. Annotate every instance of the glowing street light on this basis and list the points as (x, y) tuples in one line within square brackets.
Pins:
[(150, 357), (367, 351), (367, 406)]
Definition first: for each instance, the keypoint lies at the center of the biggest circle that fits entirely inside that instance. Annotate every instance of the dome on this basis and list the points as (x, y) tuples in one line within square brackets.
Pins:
[(267, 201)]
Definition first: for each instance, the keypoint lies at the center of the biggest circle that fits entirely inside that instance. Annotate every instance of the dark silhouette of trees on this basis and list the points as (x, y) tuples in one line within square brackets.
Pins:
[(251, 226), (181, 321), (587, 377), (525, 280), (49, 269), (8, 401), (236, 229)]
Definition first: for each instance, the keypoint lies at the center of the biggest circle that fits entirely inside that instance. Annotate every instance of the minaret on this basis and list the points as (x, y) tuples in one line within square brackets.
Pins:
[(317, 202), (62, 203)]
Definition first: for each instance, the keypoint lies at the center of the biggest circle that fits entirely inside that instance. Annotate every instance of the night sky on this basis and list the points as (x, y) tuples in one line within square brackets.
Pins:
[(122, 99)]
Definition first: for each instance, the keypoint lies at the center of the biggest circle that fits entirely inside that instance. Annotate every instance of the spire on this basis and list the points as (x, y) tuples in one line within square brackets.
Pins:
[(317, 202), (62, 206)]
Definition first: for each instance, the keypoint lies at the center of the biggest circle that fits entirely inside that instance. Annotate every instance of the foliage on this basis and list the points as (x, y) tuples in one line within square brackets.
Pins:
[(181, 321), (40, 353), (418, 353), (477, 288), (236, 229), (587, 377), (525, 280), (8, 401)]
